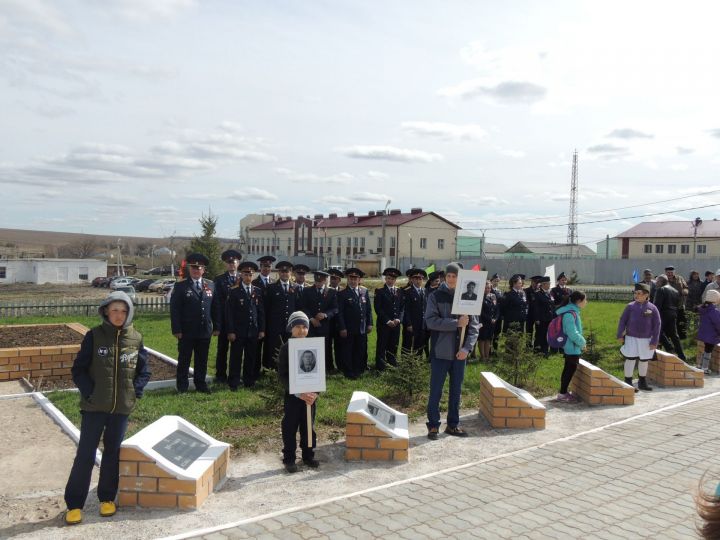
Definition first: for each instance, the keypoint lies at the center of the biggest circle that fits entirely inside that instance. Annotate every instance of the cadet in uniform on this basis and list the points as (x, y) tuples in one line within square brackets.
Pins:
[(514, 306), (299, 271), (223, 283), (245, 325), (542, 312), (319, 303), (262, 281), (530, 296), (388, 304), (280, 303), (560, 291), (415, 336), (355, 322), (335, 278), (495, 281), (191, 319)]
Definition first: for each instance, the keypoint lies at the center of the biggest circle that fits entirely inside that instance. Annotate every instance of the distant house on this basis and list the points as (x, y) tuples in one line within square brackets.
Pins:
[(471, 245), (70, 271), (548, 250), (663, 239)]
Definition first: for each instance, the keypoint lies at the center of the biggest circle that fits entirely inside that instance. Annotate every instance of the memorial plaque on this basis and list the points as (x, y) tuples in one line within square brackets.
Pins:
[(382, 415), (181, 448)]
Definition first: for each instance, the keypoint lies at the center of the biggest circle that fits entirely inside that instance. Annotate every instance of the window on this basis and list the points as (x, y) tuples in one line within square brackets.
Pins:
[(685, 249), (322, 242), (355, 241), (3, 272), (379, 243), (362, 241), (659, 248), (392, 242), (647, 248), (441, 243), (423, 243), (348, 241), (701, 249), (83, 273), (672, 248)]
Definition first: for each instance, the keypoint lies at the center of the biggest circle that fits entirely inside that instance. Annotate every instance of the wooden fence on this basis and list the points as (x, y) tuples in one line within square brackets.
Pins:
[(74, 307)]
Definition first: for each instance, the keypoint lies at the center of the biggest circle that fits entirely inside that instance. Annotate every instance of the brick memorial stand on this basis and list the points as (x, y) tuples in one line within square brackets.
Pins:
[(669, 370), (714, 359), (374, 431), (595, 387), (171, 464), (505, 406)]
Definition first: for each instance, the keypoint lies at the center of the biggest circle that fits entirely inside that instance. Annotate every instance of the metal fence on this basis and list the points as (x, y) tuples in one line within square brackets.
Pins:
[(75, 307)]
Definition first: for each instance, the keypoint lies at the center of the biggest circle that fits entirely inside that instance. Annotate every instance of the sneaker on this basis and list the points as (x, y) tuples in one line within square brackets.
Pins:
[(432, 434), (73, 517), (456, 431), (708, 372), (312, 463), (107, 509), (564, 398), (574, 397), (291, 467)]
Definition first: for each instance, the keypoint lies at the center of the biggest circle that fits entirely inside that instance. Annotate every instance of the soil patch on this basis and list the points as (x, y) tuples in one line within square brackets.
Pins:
[(38, 336)]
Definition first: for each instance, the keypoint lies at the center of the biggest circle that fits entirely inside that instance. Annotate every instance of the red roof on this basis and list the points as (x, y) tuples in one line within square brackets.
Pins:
[(392, 220), (673, 229)]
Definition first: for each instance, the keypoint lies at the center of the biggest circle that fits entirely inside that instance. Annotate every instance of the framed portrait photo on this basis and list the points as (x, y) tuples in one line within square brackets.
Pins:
[(469, 292), (306, 358)]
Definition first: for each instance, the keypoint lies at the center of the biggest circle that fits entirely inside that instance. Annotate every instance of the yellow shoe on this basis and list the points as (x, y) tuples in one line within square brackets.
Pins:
[(107, 509), (73, 517)]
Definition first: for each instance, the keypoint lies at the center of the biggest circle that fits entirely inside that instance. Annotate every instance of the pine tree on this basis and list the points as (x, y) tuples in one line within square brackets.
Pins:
[(208, 244)]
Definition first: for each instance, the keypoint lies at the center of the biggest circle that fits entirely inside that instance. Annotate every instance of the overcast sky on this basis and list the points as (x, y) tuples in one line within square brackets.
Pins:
[(135, 116)]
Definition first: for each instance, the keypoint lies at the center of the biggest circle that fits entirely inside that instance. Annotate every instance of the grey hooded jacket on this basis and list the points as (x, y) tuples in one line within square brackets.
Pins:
[(445, 334)]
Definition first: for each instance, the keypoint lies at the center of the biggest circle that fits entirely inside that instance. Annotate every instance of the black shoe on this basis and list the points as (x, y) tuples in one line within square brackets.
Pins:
[(643, 385), (456, 431), (203, 390), (312, 463), (291, 467), (182, 390), (432, 434), (233, 388), (628, 380)]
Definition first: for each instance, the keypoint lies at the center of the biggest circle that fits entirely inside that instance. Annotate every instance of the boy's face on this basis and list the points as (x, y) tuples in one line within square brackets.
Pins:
[(451, 280), (390, 280), (299, 331), (641, 296), (117, 313)]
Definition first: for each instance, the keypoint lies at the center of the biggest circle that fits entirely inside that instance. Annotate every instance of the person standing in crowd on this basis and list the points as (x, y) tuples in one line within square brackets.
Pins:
[(223, 283), (709, 327), (530, 297), (262, 281), (355, 322), (245, 325), (280, 301), (575, 343), (110, 372), (639, 333), (667, 301), (542, 312), (295, 406), (434, 280), (320, 305), (680, 285), (335, 279), (191, 319), (388, 305), (709, 278), (495, 280), (447, 354), (695, 290), (514, 306), (414, 300), (488, 318), (647, 279), (714, 286), (299, 271), (561, 292)]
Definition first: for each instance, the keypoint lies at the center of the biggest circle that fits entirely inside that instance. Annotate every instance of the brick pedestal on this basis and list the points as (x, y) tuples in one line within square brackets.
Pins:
[(368, 438), (505, 406), (596, 387), (714, 360), (669, 370)]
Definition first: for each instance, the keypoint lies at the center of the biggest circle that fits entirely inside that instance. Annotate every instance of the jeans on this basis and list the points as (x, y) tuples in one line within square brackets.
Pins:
[(439, 370), (94, 425)]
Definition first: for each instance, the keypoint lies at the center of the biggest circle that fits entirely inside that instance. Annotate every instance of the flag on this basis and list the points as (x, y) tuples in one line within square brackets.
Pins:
[(476, 267), (636, 276), (430, 269)]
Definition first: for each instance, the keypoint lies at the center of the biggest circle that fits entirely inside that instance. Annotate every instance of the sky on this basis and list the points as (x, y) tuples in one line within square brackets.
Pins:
[(135, 117)]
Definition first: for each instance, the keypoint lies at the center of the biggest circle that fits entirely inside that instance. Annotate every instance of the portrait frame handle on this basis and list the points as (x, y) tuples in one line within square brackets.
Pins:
[(308, 409)]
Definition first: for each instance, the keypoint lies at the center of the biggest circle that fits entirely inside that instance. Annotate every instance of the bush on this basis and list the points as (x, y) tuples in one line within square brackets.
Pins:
[(516, 362), (409, 379)]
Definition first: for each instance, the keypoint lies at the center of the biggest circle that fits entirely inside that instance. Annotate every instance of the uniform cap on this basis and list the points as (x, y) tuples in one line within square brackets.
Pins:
[(354, 272), (392, 272), (301, 268), (267, 258), (245, 265), (197, 259), (416, 272), (230, 254), (283, 265)]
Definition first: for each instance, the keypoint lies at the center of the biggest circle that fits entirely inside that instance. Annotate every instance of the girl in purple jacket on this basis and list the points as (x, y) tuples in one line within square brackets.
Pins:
[(709, 329)]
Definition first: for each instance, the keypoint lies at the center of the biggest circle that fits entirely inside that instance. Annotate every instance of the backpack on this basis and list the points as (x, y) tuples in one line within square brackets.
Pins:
[(556, 337)]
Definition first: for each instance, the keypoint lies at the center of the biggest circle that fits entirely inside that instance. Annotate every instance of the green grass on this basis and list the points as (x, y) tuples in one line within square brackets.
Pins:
[(250, 419)]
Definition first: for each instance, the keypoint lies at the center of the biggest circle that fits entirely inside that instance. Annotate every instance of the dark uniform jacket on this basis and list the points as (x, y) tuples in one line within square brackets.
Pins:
[(354, 312), (414, 307), (245, 314), (278, 307), (388, 306), (667, 300), (191, 312), (312, 302), (223, 284), (260, 282), (514, 307), (543, 307)]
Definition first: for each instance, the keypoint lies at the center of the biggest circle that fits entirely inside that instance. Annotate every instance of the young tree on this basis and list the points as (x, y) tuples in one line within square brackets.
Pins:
[(208, 244)]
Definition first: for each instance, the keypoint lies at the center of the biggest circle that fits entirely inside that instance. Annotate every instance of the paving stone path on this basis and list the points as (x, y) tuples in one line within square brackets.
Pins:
[(635, 479)]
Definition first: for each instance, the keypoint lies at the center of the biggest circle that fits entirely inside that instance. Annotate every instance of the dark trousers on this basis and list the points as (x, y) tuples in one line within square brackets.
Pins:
[(681, 324), (386, 347), (571, 364), (186, 348), (243, 355), (439, 370), (258, 358), (540, 343), (111, 427), (294, 418), (329, 353), (414, 341), (271, 349), (221, 360), (353, 350), (669, 338)]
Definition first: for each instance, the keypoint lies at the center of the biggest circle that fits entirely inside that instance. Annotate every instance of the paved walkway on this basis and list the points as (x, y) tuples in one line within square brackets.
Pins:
[(634, 479)]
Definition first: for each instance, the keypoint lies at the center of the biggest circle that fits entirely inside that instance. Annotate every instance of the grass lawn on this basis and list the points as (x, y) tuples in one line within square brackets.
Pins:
[(250, 419)]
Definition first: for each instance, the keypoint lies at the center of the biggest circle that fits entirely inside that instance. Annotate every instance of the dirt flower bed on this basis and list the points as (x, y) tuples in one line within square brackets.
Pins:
[(38, 336)]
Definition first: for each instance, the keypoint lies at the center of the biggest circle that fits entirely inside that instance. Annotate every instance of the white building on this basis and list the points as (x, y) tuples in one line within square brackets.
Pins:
[(70, 271)]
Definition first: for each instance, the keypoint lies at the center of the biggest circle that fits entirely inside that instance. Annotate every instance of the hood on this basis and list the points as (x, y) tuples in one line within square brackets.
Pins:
[(567, 308), (114, 297)]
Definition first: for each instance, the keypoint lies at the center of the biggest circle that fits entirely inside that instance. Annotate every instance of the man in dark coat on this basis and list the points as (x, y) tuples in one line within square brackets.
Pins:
[(389, 312), (530, 296), (319, 303), (245, 325), (262, 281), (299, 271), (334, 279), (191, 319), (223, 283), (514, 305), (542, 312), (355, 322), (415, 335), (280, 302), (667, 301), (495, 281)]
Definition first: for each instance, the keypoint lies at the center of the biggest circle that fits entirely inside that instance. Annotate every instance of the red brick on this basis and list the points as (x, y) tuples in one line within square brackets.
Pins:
[(376, 455), (138, 483), (361, 442), (150, 469), (519, 422), (353, 454), (130, 454), (189, 502), (353, 430), (126, 499), (171, 485), (400, 455), (394, 444), (128, 468), (357, 418), (157, 500), (372, 431)]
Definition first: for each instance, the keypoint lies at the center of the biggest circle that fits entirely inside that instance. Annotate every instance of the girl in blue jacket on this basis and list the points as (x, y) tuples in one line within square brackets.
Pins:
[(574, 344)]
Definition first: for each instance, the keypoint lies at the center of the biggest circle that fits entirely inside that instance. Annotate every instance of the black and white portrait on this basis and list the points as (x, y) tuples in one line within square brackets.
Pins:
[(469, 292), (306, 361), (307, 355)]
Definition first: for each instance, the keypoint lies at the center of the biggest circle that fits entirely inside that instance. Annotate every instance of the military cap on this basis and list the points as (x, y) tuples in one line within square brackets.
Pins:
[(416, 272), (335, 272), (230, 254), (320, 274), (267, 259), (301, 268), (709, 273), (535, 278), (356, 272), (436, 274), (283, 265), (196, 259), (515, 277), (544, 279), (392, 272), (495, 276), (671, 267), (561, 275), (248, 265)]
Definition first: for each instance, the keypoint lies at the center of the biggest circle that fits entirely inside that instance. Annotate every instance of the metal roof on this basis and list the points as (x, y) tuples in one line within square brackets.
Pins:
[(672, 229), (391, 220)]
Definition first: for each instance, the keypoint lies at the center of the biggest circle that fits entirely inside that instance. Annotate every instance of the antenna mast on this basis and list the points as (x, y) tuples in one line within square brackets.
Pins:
[(572, 236)]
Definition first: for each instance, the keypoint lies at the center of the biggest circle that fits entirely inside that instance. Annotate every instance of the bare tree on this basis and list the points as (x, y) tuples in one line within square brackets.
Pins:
[(80, 249)]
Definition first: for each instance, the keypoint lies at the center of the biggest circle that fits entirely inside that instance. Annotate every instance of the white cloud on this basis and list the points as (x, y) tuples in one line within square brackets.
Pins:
[(628, 133), (443, 130), (144, 11), (38, 14), (311, 178), (391, 153), (377, 175), (253, 194), (505, 92), (516, 154), (355, 197)]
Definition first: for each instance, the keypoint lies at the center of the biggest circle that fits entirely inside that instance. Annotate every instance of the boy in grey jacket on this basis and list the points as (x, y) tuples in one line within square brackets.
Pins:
[(447, 354)]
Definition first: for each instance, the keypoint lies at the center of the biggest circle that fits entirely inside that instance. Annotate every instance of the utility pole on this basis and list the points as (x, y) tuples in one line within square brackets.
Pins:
[(411, 257), (695, 224), (120, 267), (384, 221), (572, 236)]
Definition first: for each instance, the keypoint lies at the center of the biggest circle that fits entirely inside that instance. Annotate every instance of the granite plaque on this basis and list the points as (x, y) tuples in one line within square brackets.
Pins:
[(181, 448)]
